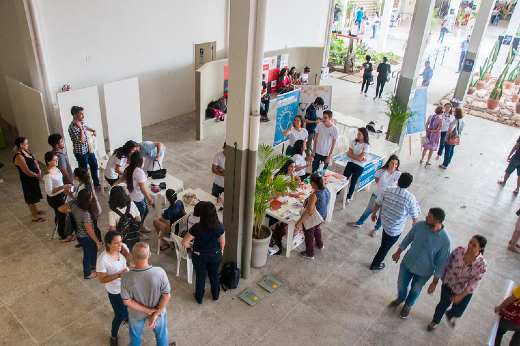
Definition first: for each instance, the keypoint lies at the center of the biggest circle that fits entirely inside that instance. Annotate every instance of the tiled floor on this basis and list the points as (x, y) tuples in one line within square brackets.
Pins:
[(333, 300)]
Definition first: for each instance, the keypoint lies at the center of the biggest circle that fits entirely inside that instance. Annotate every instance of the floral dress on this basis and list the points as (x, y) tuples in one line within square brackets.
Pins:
[(433, 123)]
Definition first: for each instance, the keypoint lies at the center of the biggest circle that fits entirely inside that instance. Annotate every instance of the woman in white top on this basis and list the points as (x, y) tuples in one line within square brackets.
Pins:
[(118, 160), (295, 133), (386, 176), (119, 200), (448, 117), (359, 148), (288, 171), (110, 266), (56, 192), (300, 159), (135, 179)]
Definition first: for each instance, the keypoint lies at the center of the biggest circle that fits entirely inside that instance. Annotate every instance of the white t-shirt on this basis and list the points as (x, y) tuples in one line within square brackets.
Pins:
[(385, 180), (219, 160), (139, 176), (325, 137), (304, 77), (299, 160), (52, 181), (357, 149), (113, 218), (105, 264), (110, 171), (296, 136), (448, 118)]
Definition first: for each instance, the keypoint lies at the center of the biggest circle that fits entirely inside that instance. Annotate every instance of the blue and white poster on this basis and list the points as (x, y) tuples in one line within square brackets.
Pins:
[(374, 162), (286, 110), (416, 122)]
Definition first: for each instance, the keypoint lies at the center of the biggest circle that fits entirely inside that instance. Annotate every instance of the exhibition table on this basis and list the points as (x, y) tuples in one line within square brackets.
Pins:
[(160, 197), (201, 196)]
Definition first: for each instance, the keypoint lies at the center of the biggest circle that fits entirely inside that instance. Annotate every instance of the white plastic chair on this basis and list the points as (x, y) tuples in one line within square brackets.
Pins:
[(182, 253), (352, 134), (183, 225)]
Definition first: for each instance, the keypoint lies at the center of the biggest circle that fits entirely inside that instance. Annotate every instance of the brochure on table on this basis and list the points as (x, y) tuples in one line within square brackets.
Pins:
[(416, 122), (308, 94), (286, 110), (374, 162)]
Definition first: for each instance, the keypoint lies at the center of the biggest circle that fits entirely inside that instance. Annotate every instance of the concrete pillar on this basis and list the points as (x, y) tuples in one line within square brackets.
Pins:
[(514, 21), (385, 25), (343, 17), (246, 37), (479, 28), (328, 33), (412, 62)]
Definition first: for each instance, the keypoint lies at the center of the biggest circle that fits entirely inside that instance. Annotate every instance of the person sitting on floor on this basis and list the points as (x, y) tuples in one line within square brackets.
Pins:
[(173, 213)]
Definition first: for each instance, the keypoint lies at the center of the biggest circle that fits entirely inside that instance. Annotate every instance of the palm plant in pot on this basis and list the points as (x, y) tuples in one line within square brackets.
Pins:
[(496, 93), (398, 115), (267, 188)]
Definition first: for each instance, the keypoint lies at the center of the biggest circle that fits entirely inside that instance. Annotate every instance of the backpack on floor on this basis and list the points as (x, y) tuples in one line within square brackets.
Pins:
[(128, 227), (229, 276)]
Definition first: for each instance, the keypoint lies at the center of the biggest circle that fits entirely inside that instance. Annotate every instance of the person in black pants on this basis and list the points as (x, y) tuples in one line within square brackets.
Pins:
[(359, 148), (208, 247), (367, 74), (383, 71)]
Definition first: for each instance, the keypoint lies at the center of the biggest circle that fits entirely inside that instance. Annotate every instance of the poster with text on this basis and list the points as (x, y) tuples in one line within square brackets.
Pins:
[(308, 94), (271, 68), (416, 122), (286, 110)]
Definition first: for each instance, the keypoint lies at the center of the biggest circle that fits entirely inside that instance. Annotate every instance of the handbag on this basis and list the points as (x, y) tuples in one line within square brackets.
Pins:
[(454, 139), (313, 220), (190, 199), (92, 144), (512, 313), (425, 140), (157, 174)]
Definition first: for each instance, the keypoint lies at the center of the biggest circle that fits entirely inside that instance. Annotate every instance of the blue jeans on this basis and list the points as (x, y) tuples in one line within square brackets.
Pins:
[(461, 60), (387, 241), (374, 31), (355, 171), (120, 312), (206, 262), (216, 190), (143, 209), (368, 211), (88, 159), (316, 163), (135, 329), (448, 154), (442, 143), (456, 310), (403, 281), (89, 255)]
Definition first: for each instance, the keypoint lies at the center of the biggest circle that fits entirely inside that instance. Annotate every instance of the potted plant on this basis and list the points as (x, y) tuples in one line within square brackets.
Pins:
[(487, 67), (266, 189), (512, 76), (398, 116), (458, 23), (496, 93), (472, 85)]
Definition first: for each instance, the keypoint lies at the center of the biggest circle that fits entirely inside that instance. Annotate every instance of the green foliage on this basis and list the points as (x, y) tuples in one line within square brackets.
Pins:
[(338, 51), (266, 187), (489, 62), (350, 7), (473, 83), (398, 115), (515, 73), (362, 50), (459, 18), (496, 93), (434, 21)]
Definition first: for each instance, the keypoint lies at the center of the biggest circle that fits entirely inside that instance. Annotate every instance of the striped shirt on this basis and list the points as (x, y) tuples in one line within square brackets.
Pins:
[(396, 203), (75, 135)]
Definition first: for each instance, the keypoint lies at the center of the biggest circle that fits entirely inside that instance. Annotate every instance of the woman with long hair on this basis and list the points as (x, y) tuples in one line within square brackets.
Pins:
[(173, 213), (293, 75), (465, 268), (209, 240), (433, 128), (30, 177), (118, 160), (120, 201), (454, 132), (288, 171), (447, 117), (386, 176), (82, 177), (83, 210), (300, 158), (56, 192), (359, 148), (296, 132), (284, 82)]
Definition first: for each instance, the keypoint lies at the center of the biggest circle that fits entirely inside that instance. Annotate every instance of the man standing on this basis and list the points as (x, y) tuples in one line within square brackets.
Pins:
[(427, 74), (464, 48), (337, 11), (359, 17), (145, 290), (56, 142), (152, 152), (325, 140), (514, 164), (396, 203), (218, 168), (428, 254), (78, 135), (311, 121)]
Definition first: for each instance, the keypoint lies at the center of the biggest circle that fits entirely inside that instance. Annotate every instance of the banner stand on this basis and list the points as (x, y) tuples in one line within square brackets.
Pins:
[(410, 140)]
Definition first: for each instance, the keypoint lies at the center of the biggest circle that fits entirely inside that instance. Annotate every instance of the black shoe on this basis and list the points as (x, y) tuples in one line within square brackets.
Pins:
[(379, 267), (113, 342), (78, 245)]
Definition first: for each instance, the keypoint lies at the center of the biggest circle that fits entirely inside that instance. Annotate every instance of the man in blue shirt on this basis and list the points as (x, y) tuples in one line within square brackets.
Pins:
[(311, 121), (464, 48), (428, 254), (153, 152), (359, 17), (427, 74)]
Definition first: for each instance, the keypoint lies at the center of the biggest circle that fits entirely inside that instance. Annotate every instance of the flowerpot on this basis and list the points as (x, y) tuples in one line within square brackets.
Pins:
[(471, 90), (508, 85), (517, 81), (480, 84), (492, 103), (456, 31), (260, 248), (515, 98), (517, 107), (487, 78)]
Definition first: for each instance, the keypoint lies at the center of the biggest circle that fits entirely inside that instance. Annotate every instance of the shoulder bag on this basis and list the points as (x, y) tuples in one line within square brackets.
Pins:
[(157, 174), (454, 139), (313, 220)]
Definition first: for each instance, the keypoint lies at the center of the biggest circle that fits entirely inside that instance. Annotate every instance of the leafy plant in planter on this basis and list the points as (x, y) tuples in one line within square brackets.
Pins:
[(338, 51), (496, 93), (487, 67), (398, 116)]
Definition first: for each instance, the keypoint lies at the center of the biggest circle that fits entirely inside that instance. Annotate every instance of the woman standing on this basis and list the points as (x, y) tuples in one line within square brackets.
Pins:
[(359, 148), (56, 191), (296, 132), (367, 75), (447, 117), (433, 128), (386, 176), (208, 247), (174, 212), (30, 176), (300, 159), (110, 266), (318, 200), (118, 160), (383, 71), (453, 136), (83, 211), (120, 201), (464, 270)]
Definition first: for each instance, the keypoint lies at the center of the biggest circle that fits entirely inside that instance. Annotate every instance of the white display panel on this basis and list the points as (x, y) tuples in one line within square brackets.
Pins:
[(38, 129), (123, 108)]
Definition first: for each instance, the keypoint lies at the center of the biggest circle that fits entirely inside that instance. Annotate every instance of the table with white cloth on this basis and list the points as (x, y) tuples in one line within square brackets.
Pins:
[(381, 147), (292, 204), (201, 195), (160, 197)]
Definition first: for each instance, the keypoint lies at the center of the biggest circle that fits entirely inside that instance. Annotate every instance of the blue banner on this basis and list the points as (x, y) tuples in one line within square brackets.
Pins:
[(416, 122), (374, 162), (286, 110)]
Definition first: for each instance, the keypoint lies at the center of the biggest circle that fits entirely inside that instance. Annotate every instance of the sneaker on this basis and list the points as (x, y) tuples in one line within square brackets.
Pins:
[(321, 248), (145, 230), (396, 302), (379, 267), (405, 311), (144, 237), (353, 224), (375, 97), (304, 255)]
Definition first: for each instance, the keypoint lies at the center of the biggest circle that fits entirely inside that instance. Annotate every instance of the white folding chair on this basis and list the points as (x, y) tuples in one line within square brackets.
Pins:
[(352, 134), (183, 225), (182, 253)]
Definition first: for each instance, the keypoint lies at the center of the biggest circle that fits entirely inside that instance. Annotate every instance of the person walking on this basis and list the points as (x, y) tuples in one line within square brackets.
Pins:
[(375, 22), (463, 49), (396, 203), (145, 290), (433, 127), (312, 121), (427, 74), (325, 139), (367, 75), (509, 311), (464, 270), (383, 75), (453, 138), (359, 148), (514, 164), (386, 176), (444, 30), (429, 250), (447, 118)]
